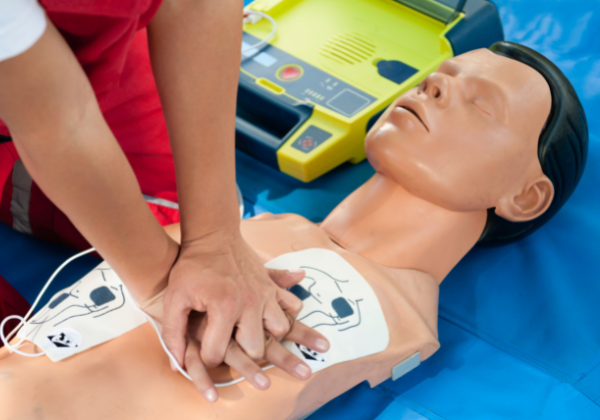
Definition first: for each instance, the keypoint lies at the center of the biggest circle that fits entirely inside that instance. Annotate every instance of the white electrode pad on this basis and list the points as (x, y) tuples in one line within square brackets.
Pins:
[(96, 309), (339, 303)]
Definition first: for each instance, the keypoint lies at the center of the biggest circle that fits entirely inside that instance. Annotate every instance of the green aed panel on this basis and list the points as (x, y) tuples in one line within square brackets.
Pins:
[(307, 99)]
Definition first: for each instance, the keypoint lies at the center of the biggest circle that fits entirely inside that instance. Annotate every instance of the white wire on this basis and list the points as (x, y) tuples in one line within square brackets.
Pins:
[(37, 300), (263, 43), (174, 361), (23, 323), (14, 348)]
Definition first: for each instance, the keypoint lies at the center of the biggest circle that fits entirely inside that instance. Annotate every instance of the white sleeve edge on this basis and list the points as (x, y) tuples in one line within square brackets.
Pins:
[(23, 33)]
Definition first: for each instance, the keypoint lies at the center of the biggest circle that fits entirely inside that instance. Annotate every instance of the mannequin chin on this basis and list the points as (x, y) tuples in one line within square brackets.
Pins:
[(463, 142)]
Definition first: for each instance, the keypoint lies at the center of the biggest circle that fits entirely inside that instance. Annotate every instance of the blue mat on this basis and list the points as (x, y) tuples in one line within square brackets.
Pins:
[(519, 325)]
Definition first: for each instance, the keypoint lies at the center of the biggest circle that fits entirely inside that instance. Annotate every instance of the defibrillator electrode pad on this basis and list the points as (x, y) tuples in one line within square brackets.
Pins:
[(92, 311), (339, 303)]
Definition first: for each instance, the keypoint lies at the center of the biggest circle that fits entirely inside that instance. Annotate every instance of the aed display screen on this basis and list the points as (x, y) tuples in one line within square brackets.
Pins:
[(348, 102)]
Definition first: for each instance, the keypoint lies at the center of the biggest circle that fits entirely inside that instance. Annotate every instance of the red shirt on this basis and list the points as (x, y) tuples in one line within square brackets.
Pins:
[(108, 38)]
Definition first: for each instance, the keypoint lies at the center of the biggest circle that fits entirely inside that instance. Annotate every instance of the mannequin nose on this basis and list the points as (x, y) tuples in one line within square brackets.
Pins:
[(436, 87)]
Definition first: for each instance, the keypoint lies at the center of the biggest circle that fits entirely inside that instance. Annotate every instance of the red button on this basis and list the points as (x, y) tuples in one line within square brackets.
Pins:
[(307, 143), (289, 73)]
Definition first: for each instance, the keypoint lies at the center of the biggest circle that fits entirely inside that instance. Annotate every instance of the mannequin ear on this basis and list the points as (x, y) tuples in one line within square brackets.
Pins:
[(529, 203)]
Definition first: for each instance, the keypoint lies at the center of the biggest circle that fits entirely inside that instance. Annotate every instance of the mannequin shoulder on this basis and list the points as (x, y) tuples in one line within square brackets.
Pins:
[(272, 235)]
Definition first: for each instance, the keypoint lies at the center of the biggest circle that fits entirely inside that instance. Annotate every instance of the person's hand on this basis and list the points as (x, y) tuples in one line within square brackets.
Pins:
[(222, 276), (275, 352), (236, 358)]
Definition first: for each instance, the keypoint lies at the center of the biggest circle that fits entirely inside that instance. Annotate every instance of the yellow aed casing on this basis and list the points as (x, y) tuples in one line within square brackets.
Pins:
[(306, 100)]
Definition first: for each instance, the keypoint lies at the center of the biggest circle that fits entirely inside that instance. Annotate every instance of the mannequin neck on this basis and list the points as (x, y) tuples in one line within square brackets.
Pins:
[(385, 223)]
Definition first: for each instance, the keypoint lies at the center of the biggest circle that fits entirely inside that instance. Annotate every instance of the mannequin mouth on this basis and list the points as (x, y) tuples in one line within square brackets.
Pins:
[(412, 111)]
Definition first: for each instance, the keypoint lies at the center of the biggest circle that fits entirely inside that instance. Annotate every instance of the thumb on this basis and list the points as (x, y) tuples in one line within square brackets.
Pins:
[(174, 329), (286, 278)]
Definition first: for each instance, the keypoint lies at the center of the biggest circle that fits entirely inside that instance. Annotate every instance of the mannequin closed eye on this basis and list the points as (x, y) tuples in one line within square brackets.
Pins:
[(486, 96), (482, 105)]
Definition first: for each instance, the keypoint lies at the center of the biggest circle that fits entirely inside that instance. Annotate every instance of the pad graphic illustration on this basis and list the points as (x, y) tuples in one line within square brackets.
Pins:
[(80, 301), (95, 309), (339, 303), (340, 312), (312, 355), (63, 341)]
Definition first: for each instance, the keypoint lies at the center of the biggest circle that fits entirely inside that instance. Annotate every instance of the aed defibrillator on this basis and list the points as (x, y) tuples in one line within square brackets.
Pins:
[(306, 100)]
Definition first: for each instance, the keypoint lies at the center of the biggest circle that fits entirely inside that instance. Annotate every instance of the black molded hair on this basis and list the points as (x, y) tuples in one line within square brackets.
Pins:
[(562, 148)]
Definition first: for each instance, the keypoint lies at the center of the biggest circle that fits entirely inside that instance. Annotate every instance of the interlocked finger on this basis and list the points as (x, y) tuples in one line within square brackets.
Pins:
[(240, 362), (198, 373), (306, 336), (281, 357), (289, 302), (275, 320)]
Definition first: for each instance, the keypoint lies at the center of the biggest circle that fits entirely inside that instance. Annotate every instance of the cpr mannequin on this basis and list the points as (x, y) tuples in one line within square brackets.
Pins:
[(467, 140)]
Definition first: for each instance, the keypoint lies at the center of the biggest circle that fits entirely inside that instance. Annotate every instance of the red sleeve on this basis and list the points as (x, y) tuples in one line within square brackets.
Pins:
[(100, 32), (109, 41)]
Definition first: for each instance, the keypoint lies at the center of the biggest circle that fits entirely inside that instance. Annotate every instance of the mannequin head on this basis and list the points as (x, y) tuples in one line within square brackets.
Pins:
[(469, 138)]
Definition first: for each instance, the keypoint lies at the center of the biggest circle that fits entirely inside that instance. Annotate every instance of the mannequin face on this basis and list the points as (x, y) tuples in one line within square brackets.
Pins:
[(466, 139)]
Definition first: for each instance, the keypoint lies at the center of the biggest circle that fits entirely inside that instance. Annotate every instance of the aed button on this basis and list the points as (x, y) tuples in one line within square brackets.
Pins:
[(289, 72), (310, 139)]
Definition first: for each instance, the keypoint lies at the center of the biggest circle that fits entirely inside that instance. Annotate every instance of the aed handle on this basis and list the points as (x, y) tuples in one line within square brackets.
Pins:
[(251, 131), (264, 120)]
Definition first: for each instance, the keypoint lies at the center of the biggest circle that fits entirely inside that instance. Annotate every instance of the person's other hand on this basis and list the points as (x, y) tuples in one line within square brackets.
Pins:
[(237, 359), (222, 276)]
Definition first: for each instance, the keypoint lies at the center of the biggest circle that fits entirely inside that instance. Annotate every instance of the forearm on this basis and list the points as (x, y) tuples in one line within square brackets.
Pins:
[(70, 152), (88, 177), (195, 53)]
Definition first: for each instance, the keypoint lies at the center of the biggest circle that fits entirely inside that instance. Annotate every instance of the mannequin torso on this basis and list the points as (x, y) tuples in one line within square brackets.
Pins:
[(129, 377)]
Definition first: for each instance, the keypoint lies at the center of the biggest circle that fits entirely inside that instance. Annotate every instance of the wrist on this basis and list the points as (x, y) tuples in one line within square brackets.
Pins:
[(212, 240), (153, 269)]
